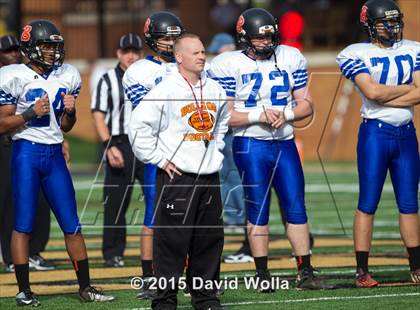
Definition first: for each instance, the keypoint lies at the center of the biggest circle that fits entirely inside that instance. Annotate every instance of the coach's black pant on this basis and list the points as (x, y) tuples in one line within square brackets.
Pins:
[(118, 187), (41, 232), (188, 222)]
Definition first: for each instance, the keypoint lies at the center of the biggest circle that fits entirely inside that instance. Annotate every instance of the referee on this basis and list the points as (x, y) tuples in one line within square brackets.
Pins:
[(180, 128), (111, 112)]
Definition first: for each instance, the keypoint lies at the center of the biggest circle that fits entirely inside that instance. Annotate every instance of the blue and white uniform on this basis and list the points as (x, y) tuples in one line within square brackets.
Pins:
[(138, 80), (37, 159), (265, 156), (387, 137)]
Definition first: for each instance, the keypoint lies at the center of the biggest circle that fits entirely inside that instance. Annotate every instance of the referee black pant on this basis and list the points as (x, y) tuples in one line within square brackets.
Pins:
[(41, 231), (188, 223), (118, 187)]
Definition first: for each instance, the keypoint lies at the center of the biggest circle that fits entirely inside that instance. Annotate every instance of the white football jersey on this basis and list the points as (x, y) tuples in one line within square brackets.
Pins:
[(388, 66), (142, 76), (21, 86), (259, 84)]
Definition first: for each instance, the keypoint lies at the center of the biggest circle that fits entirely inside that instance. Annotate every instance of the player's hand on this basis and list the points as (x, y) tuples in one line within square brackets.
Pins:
[(115, 157), (171, 169), (279, 122), (42, 106), (69, 103), (269, 116)]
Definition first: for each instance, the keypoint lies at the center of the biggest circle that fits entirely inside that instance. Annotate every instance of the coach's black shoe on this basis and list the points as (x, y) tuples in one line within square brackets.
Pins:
[(263, 280), (116, 261), (27, 298), (307, 280), (91, 293), (145, 292), (39, 263)]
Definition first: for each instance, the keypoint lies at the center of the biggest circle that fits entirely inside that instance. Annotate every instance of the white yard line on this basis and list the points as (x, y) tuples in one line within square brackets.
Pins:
[(289, 301)]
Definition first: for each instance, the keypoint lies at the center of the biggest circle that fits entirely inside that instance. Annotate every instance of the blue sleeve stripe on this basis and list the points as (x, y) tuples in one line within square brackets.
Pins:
[(228, 78), (299, 74), (363, 70), (3, 94), (299, 86), (300, 71), (136, 90), (226, 83), (417, 67), (350, 71), (346, 63), (230, 93), (6, 102), (300, 77)]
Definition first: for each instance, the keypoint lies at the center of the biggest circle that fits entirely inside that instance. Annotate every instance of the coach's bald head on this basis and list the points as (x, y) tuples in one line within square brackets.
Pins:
[(190, 53)]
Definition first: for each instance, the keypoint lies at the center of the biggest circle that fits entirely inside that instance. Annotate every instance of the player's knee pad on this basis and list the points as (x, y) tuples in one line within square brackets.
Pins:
[(408, 208), (371, 210), (258, 216), (297, 218)]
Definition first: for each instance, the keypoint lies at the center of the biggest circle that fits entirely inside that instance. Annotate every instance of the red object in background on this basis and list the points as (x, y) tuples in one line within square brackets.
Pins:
[(291, 29)]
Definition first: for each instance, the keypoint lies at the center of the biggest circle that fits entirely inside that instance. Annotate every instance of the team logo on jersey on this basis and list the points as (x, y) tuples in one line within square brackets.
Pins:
[(26, 33), (201, 121), (146, 27), (363, 15), (239, 24)]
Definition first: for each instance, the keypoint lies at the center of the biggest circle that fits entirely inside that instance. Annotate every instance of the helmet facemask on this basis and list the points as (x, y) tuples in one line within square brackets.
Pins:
[(393, 28)]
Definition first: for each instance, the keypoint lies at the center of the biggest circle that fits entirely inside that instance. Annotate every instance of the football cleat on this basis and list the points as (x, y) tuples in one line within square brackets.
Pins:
[(145, 292), (91, 293), (306, 279), (39, 263), (263, 280), (415, 276), (27, 298), (365, 280)]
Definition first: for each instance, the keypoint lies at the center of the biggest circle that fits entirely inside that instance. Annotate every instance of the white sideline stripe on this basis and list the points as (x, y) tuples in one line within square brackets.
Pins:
[(267, 302), (309, 188)]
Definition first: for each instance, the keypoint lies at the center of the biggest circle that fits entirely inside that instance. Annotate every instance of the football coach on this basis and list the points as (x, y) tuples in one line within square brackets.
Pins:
[(179, 126)]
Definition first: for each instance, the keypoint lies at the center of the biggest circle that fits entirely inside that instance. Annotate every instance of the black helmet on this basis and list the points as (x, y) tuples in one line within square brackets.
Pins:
[(256, 23), (383, 11), (162, 24), (38, 32)]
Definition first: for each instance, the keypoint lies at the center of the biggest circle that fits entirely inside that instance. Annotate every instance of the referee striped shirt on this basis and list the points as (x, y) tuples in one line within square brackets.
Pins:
[(108, 97)]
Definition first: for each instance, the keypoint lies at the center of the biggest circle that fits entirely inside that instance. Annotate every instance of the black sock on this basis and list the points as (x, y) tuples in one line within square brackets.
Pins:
[(22, 276), (362, 258), (303, 261), (82, 272), (261, 263), (414, 257), (147, 267)]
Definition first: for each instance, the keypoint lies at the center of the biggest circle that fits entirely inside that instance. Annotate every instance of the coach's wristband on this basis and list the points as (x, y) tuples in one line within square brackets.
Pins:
[(254, 116), (29, 114), (289, 115)]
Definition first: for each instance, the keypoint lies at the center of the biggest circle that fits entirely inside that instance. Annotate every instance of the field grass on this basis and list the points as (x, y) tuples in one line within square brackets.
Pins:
[(333, 254)]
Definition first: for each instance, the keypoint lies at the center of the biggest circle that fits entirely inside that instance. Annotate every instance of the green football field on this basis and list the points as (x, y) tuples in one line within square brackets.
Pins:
[(331, 199)]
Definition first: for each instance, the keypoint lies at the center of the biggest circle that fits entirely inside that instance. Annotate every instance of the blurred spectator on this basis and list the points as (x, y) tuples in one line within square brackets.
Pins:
[(221, 42)]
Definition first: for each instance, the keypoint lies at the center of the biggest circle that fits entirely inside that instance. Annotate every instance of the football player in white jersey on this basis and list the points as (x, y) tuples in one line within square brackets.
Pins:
[(386, 73), (160, 30), (267, 87), (37, 103)]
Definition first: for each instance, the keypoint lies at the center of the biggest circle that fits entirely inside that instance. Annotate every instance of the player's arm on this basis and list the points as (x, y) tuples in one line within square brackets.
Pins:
[(411, 98), (9, 121), (378, 92), (69, 116)]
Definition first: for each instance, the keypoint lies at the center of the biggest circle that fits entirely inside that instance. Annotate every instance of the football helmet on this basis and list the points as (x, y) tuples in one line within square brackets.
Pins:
[(387, 13), (40, 32), (257, 23), (162, 24)]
